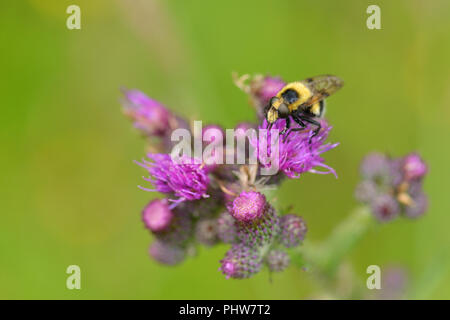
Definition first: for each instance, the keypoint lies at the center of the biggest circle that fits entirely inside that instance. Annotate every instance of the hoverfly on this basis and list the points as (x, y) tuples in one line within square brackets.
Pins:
[(303, 101)]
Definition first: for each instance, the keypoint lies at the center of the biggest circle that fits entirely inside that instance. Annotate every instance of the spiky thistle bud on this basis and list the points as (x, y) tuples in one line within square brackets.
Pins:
[(261, 231), (179, 230), (157, 215), (240, 262), (293, 230), (385, 207), (257, 221)]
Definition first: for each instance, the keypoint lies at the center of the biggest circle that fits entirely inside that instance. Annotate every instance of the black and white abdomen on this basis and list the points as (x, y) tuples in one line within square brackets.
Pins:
[(322, 108), (317, 109)]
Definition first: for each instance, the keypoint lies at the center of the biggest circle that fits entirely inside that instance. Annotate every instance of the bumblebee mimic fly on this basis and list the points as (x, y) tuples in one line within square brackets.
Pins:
[(303, 101)]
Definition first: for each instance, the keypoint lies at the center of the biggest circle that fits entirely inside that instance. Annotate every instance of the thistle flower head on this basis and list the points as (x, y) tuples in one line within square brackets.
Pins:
[(277, 260), (418, 206), (185, 179), (240, 262), (179, 231), (413, 167), (385, 207), (157, 215), (293, 230), (148, 115), (296, 154), (267, 87), (260, 89), (248, 206), (376, 166), (393, 185), (166, 253)]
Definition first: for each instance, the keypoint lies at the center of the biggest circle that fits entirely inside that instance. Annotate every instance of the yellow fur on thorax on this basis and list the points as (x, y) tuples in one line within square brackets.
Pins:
[(302, 90), (315, 109)]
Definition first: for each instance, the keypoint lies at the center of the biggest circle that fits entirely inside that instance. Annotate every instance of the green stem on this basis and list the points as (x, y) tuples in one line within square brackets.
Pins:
[(326, 257)]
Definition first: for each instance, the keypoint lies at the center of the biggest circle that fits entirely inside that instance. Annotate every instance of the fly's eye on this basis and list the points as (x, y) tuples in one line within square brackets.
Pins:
[(272, 101), (283, 111), (290, 96)]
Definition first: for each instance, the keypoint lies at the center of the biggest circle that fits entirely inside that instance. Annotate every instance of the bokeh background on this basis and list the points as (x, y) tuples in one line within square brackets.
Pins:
[(68, 184)]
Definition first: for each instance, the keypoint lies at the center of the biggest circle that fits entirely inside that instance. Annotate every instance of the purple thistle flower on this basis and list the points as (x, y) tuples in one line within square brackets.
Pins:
[(393, 185), (260, 89), (157, 215), (240, 262), (277, 260), (166, 253), (415, 188), (385, 207), (377, 167), (248, 206), (148, 115), (186, 180), (395, 176), (296, 154), (226, 228), (413, 167), (206, 232), (293, 230), (418, 206)]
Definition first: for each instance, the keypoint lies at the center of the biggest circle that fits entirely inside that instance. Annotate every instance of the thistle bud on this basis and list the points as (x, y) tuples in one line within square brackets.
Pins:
[(157, 215), (240, 262), (293, 230)]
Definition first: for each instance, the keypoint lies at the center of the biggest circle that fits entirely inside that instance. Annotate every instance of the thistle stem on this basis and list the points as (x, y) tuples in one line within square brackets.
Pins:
[(326, 257)]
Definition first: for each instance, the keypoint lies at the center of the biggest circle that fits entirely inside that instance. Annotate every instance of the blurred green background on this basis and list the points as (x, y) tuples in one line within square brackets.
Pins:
[(68, 184)]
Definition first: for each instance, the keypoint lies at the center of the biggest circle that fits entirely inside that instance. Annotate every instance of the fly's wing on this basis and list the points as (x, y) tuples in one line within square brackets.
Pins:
[(321, 87)]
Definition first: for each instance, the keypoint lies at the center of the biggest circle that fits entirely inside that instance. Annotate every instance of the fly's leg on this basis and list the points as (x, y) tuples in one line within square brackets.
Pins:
[(313, 122)]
